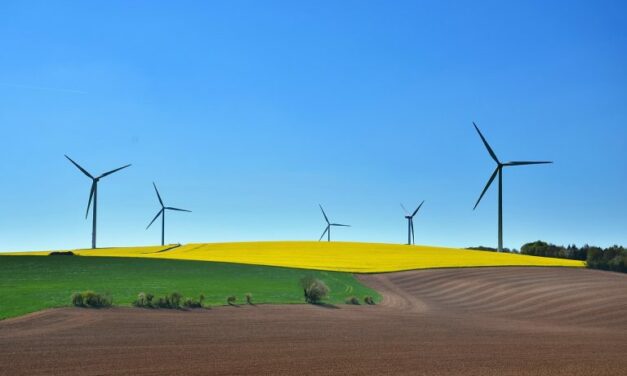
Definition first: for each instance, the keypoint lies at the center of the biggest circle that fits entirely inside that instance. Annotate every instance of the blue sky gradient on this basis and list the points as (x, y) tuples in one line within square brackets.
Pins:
[(252, 113)]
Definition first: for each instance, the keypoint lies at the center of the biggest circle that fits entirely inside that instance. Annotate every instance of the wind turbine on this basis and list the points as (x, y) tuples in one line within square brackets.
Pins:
[(499, 171), (410, 223), (93, 195), (327, 230), (162, 214)]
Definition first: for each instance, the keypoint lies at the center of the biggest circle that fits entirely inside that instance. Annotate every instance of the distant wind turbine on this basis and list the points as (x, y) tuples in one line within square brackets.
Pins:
[(93, 195), (327, 230), (162, 214), (410, 223), (499, 171)]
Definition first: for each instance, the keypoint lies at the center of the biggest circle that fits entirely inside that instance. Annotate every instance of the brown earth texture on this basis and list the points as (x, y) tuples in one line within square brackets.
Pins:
[(480, 321)]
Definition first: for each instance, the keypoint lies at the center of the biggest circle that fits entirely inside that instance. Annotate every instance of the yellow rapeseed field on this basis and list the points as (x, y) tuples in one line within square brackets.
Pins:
[(334, 256)]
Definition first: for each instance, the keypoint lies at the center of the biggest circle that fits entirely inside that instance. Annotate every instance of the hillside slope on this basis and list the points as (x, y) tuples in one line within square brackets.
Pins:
[(334, 256)]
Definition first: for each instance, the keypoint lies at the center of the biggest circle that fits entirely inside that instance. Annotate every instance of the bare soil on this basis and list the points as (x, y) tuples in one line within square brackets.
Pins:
[(480, 321)]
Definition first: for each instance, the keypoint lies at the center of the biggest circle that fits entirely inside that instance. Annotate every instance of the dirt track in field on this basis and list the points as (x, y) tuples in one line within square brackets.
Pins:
[(484, 321)]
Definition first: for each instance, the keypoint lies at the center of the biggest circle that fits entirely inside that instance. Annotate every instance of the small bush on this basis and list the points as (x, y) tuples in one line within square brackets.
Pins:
[(249, 299), (231, 300), (162, 302), (77, 299), (368, 300), (175, 299), (61, 253), (141, 300), (352, 300), (193, 303), (91, 299), (314, 289)]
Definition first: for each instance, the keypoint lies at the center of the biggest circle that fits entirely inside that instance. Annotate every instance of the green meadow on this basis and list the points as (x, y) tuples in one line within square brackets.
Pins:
[(32, 283)]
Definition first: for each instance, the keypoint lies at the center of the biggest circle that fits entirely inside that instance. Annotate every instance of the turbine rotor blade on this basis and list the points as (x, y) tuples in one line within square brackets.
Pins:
[(177, 209), (79, 167), (324, 233), (154, 219), (325, 214), (413, 240), (112, 171), (404, 209), (487, 185), (91, 195), (339, 224), (487, 146), (418, 208), (524, 163), (158, 195)]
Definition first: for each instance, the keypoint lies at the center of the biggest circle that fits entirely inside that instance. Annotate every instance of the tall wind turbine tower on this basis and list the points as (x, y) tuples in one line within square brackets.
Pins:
[(162, 214), (93, 195), (499, 171), (410, 223)]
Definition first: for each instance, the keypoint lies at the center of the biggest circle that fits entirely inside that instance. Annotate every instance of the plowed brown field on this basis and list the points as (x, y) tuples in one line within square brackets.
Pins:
[(483, 321)]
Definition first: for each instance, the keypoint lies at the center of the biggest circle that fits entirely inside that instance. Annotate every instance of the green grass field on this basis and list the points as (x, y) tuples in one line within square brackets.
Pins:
[(32, 283)]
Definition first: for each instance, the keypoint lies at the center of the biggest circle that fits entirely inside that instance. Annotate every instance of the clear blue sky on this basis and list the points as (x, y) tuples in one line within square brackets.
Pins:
[(252, 113)]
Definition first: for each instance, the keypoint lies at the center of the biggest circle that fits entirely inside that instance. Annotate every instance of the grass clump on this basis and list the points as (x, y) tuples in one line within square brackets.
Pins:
[(352, 300), (231, 300), (369, 300), (91, 299), (314, 289), (249, 299)]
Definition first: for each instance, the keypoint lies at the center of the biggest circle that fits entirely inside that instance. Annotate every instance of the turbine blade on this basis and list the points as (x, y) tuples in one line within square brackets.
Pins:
[(413, 239), (418, 208), (339, 224), (154, 219), (487, 146), (112, 171), (79, 167), (524, 163), (324, 233), (404, 209), (487, 186), (177, 209), (91, 196), (325, 214), (158, 195)]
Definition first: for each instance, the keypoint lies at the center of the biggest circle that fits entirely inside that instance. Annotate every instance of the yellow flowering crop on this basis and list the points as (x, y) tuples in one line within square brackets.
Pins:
[(334, 256)]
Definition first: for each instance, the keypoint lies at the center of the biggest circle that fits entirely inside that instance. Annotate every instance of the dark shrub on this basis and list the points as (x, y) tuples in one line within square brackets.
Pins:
[(175, 299), (77, 299), (231, 300), (352, 300), (61, 253), (368, 300), (91, 299), (163, 302), (193, 303), (314, 289)]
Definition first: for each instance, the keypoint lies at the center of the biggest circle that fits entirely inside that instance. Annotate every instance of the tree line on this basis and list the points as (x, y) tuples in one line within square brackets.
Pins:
[(613, 258)]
